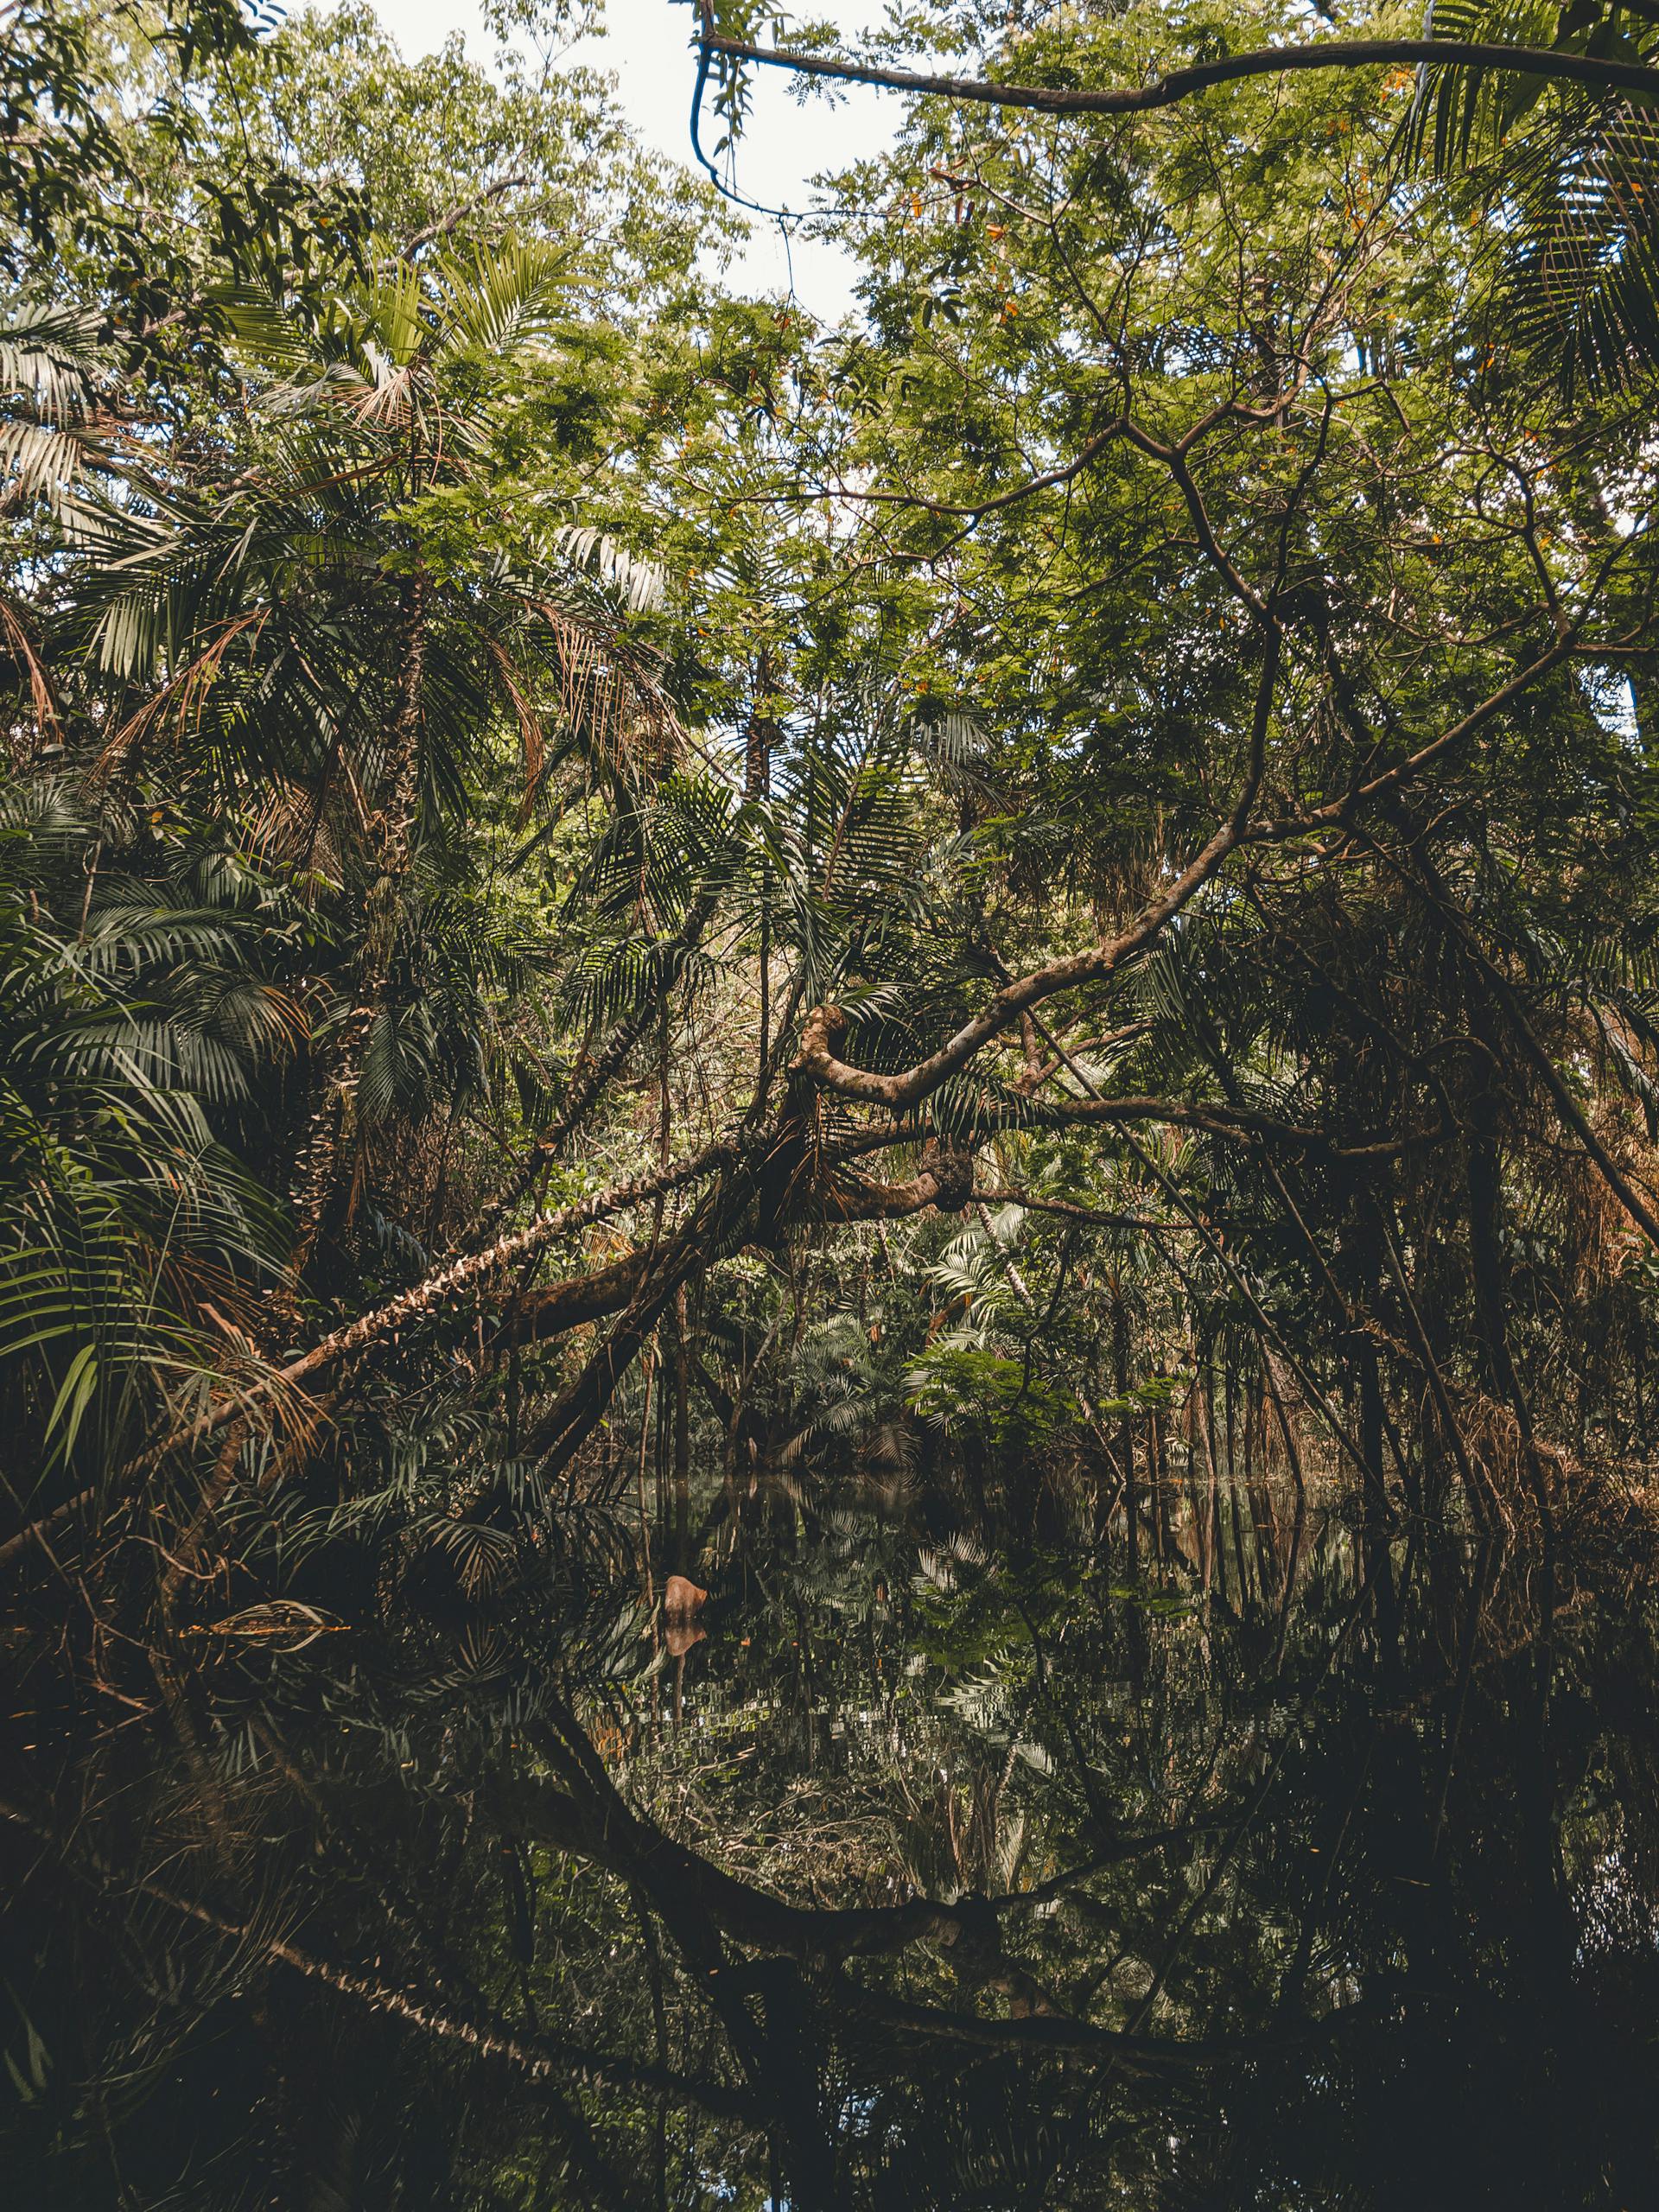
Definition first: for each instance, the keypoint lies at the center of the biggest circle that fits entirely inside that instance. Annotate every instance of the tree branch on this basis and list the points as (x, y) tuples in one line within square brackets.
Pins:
[(1199, 77)]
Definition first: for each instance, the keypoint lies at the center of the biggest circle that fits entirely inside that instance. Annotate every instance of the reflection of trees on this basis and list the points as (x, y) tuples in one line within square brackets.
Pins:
[(1280, 1903)]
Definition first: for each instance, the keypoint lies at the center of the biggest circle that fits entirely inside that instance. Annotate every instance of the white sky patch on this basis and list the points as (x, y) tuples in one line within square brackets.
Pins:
[(647, 44)]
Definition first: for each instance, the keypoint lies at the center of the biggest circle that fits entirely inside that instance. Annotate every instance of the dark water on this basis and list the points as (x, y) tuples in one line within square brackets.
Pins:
[(1257, 1864)]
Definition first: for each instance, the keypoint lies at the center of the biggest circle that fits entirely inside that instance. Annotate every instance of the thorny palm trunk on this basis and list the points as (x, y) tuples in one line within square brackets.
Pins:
[(682, 1553), (392, 831), (759, 740)]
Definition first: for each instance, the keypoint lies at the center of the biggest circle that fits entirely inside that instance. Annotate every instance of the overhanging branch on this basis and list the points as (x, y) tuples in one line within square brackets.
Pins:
[(1181, 83)]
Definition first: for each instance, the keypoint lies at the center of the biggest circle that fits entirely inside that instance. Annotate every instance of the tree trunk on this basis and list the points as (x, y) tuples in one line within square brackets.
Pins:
[(391, 836)]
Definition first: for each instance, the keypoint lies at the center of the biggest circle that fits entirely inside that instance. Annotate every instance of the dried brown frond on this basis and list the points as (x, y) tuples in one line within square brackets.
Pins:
[(628, 719), (179, 701)]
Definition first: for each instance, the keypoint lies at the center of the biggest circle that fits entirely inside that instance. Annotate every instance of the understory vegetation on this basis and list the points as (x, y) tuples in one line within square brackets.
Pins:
[(639, 934)]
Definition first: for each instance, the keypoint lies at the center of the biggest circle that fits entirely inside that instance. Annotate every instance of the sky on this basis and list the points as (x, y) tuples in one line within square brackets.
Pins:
[(646, 45)]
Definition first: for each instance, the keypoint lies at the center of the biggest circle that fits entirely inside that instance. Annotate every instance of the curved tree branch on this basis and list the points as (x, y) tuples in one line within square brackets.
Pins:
[(1550, 62), (817, 1059)]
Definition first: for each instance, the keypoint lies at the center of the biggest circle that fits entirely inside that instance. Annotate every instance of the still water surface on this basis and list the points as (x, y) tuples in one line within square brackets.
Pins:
[(927, 1864)]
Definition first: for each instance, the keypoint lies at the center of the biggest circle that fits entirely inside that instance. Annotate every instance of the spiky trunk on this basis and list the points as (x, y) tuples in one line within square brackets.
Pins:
[(391, 842)]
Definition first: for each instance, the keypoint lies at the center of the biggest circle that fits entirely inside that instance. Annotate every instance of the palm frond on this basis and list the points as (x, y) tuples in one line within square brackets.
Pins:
[(1569, 178)]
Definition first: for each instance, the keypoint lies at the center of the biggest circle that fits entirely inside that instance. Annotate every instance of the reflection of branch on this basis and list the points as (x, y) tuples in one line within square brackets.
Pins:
[(539, 2056), (608, 1831), (1045, 2032), (1258, 1799)]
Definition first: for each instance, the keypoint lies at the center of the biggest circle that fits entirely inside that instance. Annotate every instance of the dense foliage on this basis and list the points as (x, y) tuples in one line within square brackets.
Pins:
[(1049, 888)]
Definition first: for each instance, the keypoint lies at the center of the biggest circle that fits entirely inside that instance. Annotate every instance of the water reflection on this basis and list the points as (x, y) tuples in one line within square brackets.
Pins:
[(1223, 1858)]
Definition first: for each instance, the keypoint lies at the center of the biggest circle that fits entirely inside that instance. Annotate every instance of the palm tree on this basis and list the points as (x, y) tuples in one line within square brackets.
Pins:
[(300, 643), (132, 1244), (1569, 177)]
